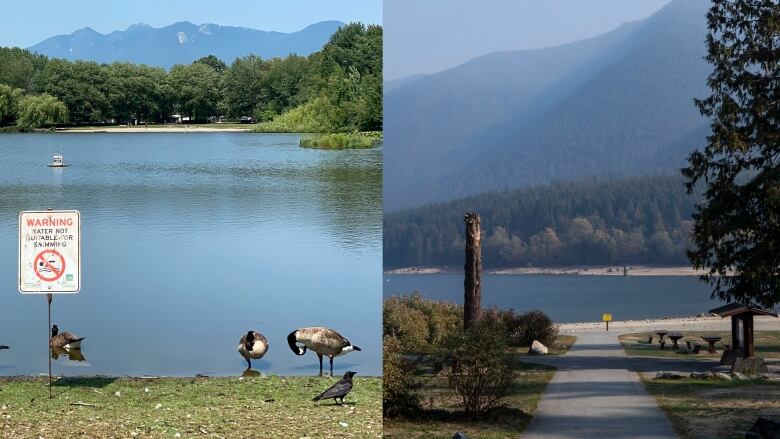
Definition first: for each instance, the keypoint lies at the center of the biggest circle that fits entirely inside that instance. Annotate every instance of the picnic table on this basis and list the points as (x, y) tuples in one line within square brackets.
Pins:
[(675, 336), (661, 334), (711, 340)]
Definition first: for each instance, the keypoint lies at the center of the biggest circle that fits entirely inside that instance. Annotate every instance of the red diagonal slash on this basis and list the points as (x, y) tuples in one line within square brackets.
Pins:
[(58, 273)]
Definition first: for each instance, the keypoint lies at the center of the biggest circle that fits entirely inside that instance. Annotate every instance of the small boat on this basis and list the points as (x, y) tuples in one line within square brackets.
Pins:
[(56, 162)]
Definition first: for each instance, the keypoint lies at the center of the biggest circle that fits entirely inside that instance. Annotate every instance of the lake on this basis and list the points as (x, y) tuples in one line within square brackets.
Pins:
[(189, 241), (570, 298)]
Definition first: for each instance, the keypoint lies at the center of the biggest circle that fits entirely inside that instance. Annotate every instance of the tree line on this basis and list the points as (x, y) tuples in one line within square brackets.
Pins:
[(638, 220), (338, 88)]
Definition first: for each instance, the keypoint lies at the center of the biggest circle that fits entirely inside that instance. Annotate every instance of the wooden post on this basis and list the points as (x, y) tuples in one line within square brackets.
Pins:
[(749, 349), (473, 281), (48, 341)]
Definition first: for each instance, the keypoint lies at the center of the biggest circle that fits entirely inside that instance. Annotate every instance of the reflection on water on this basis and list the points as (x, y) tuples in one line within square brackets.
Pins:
[(189, 240), (71, 355)]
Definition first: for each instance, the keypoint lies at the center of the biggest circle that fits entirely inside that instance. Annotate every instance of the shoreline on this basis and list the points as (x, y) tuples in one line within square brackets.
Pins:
[(693, 323), (639, 270), (155, 129)]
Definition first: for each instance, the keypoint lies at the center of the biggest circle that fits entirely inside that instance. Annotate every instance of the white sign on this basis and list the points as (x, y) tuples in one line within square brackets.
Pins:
[(49, 251)]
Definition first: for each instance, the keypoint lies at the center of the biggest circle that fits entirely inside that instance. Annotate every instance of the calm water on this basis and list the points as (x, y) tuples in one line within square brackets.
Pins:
[(190, 240), (570, 298)]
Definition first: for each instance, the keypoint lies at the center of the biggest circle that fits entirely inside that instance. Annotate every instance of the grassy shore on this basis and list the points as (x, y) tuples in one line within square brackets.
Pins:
[(713, 409), (767, 344), (342, 140), (235, 407)]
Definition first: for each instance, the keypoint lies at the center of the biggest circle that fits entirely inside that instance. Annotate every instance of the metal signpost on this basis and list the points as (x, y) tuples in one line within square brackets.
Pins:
[(606, 317), (49, 257)]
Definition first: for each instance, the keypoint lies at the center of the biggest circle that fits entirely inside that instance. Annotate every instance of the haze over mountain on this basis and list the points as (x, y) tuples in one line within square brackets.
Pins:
[(615, 105), (184, 42)]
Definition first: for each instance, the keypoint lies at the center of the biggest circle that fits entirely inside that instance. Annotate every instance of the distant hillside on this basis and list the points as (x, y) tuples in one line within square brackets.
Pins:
[(619, 104), (183, 43), (637, 220)]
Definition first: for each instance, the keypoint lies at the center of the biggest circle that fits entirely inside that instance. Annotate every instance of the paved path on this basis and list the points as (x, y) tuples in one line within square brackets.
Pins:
[(596, 393)]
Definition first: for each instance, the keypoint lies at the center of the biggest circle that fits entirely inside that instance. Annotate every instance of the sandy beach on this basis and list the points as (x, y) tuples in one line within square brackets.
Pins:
[(696, 323), (153, 129), (576, 271)]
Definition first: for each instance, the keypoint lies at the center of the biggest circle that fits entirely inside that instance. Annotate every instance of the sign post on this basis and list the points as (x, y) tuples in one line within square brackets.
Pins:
[(606, 317), (49, 257)]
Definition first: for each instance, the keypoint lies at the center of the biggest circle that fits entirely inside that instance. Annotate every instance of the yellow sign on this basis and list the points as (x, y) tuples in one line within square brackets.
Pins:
[(606, 317)]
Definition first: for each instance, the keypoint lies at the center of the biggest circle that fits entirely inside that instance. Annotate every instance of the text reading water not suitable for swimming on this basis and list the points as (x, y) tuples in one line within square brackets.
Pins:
[(50, 251)]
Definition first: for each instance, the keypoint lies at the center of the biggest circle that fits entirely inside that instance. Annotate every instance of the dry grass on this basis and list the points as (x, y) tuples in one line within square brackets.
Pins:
[(251, 407), (441, 417), (714, 409)]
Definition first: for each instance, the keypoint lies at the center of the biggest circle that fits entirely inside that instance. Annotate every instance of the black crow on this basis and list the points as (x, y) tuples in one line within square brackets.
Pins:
[(339, 390)]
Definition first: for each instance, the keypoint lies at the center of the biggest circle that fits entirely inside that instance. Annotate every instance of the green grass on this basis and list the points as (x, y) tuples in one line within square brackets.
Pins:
[(635, 344), (441, 417), (157, 126), (251, 407), (342, 140), (714, 409)]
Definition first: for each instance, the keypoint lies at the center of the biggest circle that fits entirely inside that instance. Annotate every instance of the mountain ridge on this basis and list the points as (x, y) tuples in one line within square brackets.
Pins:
[(183, 42), (499, 121)]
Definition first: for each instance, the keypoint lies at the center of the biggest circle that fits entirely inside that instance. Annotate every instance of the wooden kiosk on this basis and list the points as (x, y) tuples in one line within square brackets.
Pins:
[(741, 325)]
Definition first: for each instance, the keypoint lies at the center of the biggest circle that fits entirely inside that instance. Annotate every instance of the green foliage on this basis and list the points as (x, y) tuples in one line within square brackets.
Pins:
[(478, 367), (196, 90), (339, 141), (419, 324), (9, 100), (641, 220), (338, 89), (35, 111), (737, 226), (399, 397), (311, 117)]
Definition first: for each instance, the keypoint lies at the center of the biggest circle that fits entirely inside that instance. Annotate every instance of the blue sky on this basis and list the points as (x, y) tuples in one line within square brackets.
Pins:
[(27, 23), (426, 36)]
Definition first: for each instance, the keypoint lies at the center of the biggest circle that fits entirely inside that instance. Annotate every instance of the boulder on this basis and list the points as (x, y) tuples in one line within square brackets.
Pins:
[(701, 375), (740, 376), (665, 375), (722, 376), (538, 348), (729, 356), (750, 365), (764, 429), (460, 435)]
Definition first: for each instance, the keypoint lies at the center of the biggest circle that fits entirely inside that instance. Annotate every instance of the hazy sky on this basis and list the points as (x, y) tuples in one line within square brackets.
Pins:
[(426, 36), (25, 23)]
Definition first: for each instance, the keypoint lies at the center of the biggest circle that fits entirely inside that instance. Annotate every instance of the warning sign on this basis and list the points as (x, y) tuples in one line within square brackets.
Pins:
[(50, 251)]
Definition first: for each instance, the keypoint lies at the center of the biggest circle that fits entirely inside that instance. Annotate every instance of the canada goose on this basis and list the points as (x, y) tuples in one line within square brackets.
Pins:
[(338, 390), (65, 340), (252, 346), (72, 354), (321, 340)]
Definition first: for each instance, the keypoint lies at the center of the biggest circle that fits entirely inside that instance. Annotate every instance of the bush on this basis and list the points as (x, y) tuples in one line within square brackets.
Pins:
[(399, 397), (479, 369), (420, 324), (524, 328)]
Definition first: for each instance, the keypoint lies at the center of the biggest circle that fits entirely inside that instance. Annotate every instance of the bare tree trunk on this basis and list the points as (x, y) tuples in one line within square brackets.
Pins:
[(473, 282)]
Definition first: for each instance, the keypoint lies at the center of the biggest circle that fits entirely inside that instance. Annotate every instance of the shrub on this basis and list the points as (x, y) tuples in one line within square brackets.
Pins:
[(524, 328), (479, 370), (338, 141), (399, 397), (420, 324), (405, 324)]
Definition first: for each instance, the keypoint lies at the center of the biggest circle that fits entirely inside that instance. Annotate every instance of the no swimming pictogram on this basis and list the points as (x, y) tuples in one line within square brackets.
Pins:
[(49, 265)]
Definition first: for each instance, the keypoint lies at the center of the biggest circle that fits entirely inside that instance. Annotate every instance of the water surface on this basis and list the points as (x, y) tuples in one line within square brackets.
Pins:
[(188, 241), (570, 298)]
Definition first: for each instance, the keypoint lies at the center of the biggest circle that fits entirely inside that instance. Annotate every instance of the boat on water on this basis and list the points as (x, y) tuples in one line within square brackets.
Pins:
[(57, 162)]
